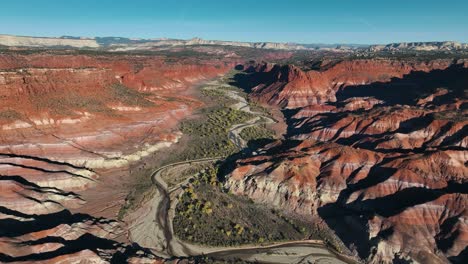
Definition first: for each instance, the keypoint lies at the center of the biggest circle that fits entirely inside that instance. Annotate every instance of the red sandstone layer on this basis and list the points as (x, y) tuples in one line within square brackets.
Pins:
[(66, 132), (377, 148)]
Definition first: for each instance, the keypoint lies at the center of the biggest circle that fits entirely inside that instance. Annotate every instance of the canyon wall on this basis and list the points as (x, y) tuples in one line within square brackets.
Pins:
[(287, 86), (70, 127), (376, 148)]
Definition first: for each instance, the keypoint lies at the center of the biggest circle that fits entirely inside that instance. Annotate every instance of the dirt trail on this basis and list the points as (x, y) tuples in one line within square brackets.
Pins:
[(242, 105), (151, 225)]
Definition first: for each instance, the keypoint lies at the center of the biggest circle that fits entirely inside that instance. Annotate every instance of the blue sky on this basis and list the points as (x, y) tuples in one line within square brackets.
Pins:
[(301, 21)]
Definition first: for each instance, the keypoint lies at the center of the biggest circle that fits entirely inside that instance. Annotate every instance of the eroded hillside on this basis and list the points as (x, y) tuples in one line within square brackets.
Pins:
[(377, 149), (71, 127)]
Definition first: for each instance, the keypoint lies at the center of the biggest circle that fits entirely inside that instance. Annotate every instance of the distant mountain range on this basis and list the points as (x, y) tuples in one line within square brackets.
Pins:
[(421, 46), (127, 44)]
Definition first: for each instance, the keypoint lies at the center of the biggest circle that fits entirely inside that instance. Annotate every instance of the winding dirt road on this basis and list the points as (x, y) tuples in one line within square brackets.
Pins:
[(236, 130), (152, 226)]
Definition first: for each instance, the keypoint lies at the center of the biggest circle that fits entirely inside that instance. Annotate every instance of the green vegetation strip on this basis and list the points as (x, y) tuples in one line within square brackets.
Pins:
[(209, 136), (141, 191), (256, 133), (206, 214)]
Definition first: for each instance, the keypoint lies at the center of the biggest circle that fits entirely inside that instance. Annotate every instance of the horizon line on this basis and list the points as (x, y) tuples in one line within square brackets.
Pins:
[(186, 39)]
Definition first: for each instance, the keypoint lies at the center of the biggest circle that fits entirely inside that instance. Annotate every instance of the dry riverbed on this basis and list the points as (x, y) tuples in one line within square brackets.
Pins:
[(151, 225)]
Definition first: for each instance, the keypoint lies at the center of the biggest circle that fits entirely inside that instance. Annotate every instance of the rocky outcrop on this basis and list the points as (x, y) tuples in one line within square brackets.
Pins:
[(36, 225), (380, 158), (398, 205), (289, 87)]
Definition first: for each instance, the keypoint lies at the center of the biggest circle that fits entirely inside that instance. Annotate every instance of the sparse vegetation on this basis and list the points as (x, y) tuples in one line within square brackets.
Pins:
[(454, 116), (256, 132), (10, 115), (209, 136), (128, 96), (218, 96), (255, 107), (206, 214), (179, 174), (141, 191)]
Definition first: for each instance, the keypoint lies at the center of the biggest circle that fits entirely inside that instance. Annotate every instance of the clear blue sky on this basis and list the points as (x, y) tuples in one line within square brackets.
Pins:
[(301, 21)]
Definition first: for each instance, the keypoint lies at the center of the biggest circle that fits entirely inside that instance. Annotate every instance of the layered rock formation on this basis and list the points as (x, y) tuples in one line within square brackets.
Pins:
[(70, 127), (289, 87), (133, 44), (421, 46), (126, 44), (20, 41), (378, 149)]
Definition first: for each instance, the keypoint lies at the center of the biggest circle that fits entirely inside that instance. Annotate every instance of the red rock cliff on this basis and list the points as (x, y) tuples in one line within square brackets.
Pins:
[(67, 138), (376, 148), (290, 87)]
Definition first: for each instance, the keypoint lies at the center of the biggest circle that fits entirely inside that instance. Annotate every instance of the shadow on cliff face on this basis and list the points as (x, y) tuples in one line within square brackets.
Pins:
[(34, 187), (11, 228), (413, 86), (404, 91), (350, 224), (254, 75), (45, 160), (405, 127), (398, 91), (446, 238), (230, 163), (372, 141), (350, 220), (395, 93), (365, 140), (84, 242), (396, 203), (461, 258)]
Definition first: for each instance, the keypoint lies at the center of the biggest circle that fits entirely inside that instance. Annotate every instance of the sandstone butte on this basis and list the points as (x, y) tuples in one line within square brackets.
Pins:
[(70, 128), (376, 148)]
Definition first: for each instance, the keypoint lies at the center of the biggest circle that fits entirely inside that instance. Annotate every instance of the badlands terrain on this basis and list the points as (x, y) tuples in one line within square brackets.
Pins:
[(137, 151)]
